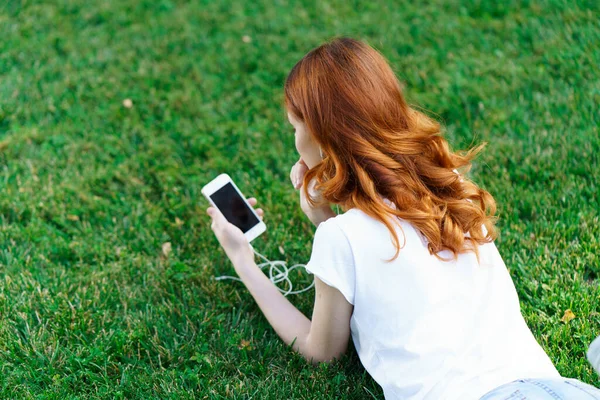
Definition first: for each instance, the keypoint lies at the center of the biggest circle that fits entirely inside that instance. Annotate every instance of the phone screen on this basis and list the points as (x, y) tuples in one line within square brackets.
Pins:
[(234, 208)]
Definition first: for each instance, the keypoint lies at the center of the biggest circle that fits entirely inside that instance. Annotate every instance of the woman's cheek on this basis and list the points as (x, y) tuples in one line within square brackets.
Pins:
[(307, 148), (300, 146)]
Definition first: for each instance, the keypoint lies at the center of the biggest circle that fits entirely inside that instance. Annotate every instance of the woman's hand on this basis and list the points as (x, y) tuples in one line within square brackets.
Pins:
[(315, 214), (297, 173), (231, 238)]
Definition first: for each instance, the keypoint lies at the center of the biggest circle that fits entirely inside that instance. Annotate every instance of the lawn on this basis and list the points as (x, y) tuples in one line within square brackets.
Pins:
[(114, 114)]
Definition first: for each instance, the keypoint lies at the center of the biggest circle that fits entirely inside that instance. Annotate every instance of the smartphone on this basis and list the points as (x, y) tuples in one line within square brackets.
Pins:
[(223, 194)]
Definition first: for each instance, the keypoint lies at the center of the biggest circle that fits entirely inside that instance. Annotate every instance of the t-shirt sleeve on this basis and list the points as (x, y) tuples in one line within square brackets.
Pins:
[(332, 260)]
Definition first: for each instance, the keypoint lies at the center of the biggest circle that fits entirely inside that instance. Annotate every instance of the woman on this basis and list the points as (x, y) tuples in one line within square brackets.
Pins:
[(410, 270)]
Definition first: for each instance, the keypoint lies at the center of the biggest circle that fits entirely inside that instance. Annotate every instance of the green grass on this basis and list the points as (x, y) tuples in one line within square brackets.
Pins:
[(89, 305)]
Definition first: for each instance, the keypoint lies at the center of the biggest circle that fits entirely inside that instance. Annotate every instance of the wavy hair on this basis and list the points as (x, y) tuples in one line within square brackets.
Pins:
[(377, 147)]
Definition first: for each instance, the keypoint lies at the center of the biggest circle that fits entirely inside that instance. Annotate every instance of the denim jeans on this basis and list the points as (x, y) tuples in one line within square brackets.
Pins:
[(542, 389)]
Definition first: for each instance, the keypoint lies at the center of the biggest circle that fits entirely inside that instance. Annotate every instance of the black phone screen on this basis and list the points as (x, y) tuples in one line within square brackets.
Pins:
[(234, 208)]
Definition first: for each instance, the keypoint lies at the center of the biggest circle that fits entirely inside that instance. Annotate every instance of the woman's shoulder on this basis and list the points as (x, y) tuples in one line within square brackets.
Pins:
[(348, 221), (361, 230), (351, 216), (343, 226)]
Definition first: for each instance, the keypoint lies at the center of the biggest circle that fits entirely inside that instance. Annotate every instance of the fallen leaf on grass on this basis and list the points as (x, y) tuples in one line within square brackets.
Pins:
[(245, 345), (166, 249), (568, 316), (72, 217)]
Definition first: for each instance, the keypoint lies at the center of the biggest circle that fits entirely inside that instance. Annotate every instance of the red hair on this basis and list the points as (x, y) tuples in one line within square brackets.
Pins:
[(376, 146)]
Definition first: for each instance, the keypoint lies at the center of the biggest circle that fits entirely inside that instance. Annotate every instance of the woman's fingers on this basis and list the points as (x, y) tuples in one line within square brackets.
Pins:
[(302, 170), (297, 173), (294, 174), (218, 220), (252, 201), (210, 211)]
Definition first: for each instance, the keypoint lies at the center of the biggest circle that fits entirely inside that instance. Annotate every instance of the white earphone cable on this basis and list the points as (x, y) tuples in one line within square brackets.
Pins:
[(278, 272)]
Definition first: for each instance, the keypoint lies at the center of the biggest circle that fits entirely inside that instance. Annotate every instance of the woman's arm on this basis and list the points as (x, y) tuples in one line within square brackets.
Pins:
[(322, 339)]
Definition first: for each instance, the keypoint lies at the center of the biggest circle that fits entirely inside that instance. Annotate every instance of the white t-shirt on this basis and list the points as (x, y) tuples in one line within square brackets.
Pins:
[(425, 328)]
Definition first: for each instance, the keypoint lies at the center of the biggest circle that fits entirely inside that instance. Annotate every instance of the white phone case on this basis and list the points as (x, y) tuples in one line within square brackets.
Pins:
[(217, 184)]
